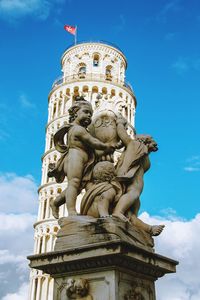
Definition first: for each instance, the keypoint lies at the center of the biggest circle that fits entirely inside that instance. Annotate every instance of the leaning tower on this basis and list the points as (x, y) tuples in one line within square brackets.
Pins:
[(95, 70)]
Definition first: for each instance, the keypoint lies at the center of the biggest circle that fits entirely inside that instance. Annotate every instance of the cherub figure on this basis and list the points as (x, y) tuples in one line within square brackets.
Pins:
[(78, 289), (81, 287), (78, 155), (102, 192), (132, 165)]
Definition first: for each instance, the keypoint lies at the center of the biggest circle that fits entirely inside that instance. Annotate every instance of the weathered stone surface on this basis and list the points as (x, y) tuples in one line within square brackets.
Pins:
[(108, 254), (110, 285), (114, 259), (81, 231)]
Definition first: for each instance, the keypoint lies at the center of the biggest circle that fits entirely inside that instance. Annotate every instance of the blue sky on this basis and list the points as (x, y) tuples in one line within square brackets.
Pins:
[(161, 42), (160, 39)]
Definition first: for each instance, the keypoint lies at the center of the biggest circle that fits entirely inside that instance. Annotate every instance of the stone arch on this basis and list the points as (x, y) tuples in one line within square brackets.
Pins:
[(59, 190), (81, 70), (95, 89), (67, 92), (113, 92), (85, 89), (96, 59), (104, 91), (76, 92), (108, 72), (55, 229)]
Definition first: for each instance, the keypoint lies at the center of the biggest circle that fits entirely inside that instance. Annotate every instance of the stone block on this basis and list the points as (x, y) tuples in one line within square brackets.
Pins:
[(111, 264)]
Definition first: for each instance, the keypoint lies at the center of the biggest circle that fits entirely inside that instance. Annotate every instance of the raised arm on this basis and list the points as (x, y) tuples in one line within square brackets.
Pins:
[(121, 130)]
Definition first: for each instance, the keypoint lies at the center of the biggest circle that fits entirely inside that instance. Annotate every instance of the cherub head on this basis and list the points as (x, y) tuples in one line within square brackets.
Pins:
[(81, 287), (103, 171), (148, 141), (81, 111)]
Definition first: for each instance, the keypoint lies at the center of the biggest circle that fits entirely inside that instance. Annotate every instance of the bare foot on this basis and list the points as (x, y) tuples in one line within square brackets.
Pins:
[(54, 208), (121, 217), (156, 229)]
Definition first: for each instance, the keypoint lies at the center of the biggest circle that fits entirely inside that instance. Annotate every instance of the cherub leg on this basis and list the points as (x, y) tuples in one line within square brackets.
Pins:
[(154, 230), (104, 202), (139, 223), (73, 168), (55, 203), (131, 197), (123, 204), (136, 207)]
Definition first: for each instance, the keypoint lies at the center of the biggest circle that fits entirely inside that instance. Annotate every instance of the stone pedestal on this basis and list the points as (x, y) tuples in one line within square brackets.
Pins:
[(114, 260)]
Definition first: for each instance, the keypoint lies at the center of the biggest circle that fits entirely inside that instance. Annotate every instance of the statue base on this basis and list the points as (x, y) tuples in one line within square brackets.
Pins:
[(117, 260)]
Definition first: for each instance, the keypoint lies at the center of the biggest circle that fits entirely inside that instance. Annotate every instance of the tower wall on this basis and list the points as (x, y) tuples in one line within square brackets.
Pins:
[(96, 71)]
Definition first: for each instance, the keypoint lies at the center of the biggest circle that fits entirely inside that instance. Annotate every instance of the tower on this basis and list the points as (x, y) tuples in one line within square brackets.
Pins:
[(95, 70)]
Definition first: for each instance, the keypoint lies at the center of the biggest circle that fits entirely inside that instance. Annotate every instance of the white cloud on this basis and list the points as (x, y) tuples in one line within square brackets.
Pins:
[(3, 134), (168, 8), (8, 223), (17, 194), (180, 241), (120, 25), (16, 242), (181, 66), (194, 158), (18, 203), (21, 294), (191, 169), (15, 9), (169, 36), (184, 64), (196, 64), (25, 102), (193, 164), (6, 256)]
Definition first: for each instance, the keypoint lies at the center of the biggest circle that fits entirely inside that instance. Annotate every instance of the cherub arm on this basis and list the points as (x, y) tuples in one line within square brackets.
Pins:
[(88, 139), (121, 130)]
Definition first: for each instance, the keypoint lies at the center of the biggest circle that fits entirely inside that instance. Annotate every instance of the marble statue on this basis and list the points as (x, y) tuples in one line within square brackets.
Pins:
[(112, 189), (78, 156)]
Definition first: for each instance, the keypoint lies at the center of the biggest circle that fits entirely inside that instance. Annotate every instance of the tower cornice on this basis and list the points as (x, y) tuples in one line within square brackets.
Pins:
[(93, 45)]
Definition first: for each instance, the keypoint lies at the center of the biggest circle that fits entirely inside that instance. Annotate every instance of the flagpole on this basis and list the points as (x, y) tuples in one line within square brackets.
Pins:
[(75, 37)]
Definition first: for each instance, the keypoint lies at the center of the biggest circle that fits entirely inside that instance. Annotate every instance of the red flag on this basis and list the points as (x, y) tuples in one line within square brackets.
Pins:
[(70, 29)]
